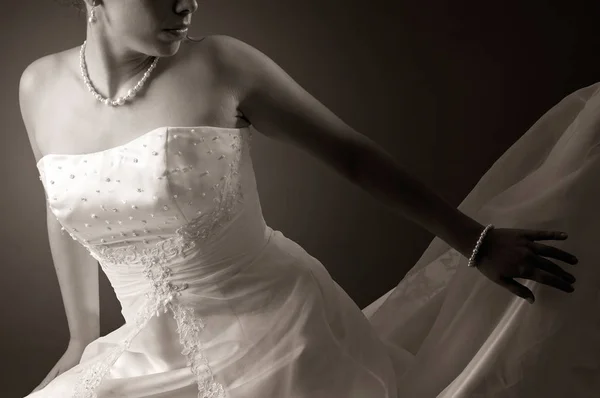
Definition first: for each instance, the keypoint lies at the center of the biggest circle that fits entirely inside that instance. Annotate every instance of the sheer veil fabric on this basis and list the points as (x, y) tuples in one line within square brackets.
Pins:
[(463, 335)]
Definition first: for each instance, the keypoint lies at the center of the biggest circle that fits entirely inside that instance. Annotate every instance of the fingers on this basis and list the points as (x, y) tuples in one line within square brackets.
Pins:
[(517, 289), (548, 273), (544, 235), (554, 252), (544, 271), (552, 268), (548, 279)]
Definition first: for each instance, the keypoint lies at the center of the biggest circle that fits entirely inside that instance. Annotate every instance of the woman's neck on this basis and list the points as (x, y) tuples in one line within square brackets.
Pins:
[(110, 65)]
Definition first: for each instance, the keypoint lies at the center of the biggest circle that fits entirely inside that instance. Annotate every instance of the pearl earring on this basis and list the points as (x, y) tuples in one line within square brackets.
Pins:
[(92, 17)]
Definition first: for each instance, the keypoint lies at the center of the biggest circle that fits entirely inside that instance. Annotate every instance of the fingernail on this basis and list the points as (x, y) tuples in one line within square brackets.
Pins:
[(530, 300), (563, 235)]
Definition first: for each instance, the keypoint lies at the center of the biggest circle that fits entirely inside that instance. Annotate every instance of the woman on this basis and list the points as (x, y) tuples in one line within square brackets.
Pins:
[(216, 303)]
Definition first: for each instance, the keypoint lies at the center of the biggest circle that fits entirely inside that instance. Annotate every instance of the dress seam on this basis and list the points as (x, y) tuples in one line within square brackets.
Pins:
[(168, 185)]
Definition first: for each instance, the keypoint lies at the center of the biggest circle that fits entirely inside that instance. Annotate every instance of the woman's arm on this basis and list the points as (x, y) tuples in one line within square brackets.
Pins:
[(76, 270), (77, 274), (280, 108)]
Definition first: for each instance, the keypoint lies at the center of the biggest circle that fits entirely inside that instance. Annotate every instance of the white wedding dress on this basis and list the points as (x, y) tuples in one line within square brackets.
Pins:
[(219, 305), (216, 303)]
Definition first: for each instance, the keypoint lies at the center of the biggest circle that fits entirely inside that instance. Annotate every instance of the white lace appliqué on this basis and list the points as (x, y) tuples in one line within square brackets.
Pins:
[(162, 294)]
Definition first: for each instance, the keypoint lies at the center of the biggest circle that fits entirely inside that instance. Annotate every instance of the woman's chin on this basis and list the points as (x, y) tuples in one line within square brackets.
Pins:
[(166, 49)]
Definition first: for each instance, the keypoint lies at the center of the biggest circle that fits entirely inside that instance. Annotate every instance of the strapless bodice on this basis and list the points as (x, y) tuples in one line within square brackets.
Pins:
[(212, 297), (171, 216), (176, 204)]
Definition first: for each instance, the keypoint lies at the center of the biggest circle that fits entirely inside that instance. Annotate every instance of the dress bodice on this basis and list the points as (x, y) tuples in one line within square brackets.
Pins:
[(168, 215), (213, 299), (167, 196)]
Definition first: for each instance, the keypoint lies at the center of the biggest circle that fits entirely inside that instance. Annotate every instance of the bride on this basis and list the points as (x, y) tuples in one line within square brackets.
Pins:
[(146, 168)]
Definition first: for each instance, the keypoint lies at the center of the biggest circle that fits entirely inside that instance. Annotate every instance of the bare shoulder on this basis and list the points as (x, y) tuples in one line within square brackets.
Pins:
[(35, 78), (238, 63), (227, 50), (278, 106), (36, 81), (42, 72), (32, 85)]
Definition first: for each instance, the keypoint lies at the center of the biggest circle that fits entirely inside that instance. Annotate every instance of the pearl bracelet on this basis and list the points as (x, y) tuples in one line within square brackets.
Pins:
[(477, 245)]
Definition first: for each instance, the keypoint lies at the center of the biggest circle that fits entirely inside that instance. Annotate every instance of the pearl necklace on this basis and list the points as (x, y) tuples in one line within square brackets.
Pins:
[(107, 101)]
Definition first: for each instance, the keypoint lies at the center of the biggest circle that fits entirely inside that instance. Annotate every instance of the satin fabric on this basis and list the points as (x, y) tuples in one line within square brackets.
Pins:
[(216, 303)]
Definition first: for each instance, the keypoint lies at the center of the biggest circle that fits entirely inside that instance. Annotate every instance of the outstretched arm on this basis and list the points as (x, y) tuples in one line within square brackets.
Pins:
[(279, 107)]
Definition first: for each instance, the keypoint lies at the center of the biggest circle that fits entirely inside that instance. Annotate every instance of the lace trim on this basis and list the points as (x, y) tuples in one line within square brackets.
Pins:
[(93, 375), (189, 327), (163, 293)]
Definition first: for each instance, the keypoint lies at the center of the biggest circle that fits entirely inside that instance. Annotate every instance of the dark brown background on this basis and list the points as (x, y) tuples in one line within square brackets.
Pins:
[(445, 86)]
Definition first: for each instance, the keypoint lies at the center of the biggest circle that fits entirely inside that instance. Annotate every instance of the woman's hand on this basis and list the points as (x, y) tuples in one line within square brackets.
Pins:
[(279, 107), (70, 358), (506, 254)]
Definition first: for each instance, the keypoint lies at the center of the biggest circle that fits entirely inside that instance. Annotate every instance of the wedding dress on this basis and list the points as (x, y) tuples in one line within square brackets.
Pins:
[(217, 304)]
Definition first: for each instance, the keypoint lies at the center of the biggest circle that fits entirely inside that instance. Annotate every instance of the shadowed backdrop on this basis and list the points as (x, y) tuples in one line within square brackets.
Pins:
[(445, 87)]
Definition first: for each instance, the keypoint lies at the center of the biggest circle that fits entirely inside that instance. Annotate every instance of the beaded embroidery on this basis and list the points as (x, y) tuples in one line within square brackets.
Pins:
[(162, 296)]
